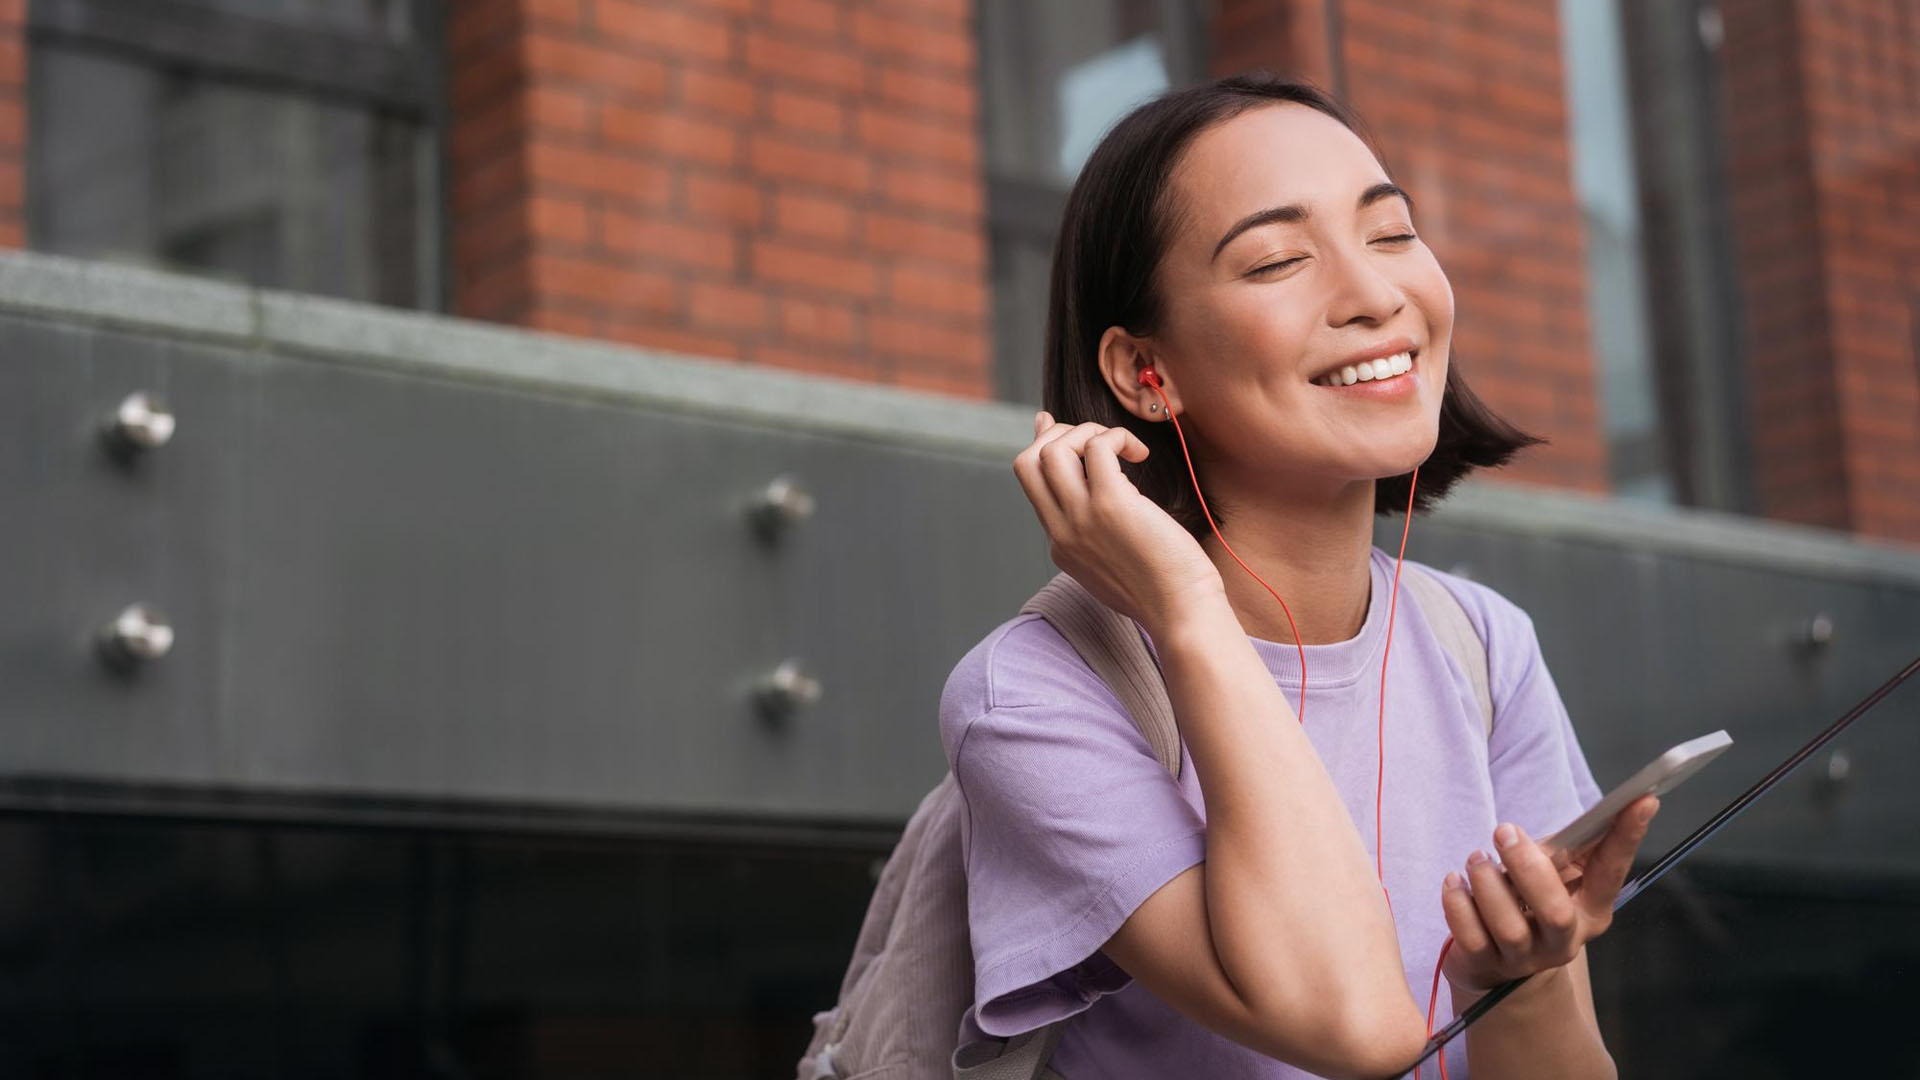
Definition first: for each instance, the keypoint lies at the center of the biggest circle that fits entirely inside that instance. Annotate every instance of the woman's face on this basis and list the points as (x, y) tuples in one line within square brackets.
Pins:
[(1294, 257)]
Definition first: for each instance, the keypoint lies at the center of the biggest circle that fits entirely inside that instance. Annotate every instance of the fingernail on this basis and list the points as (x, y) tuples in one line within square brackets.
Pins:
[(1506, 836), (1454, 880), (1477, 858)]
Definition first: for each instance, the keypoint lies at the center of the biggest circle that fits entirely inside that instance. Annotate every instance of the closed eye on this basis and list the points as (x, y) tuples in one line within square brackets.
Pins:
[(1401, 239), (1281, 265)]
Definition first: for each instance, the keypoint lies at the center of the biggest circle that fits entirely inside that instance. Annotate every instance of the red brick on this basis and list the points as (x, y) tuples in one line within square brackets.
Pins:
[(797, 111), (709, 195), (911, 287), (565, 14), (557, 111), (737, 307), (783, 159), (815, 16), (838, 364), (673, 339), (783, 263), (716, 92), (926, 340), (831, 67), (815, 216), (599, 171), (604, 282), (908, 136), (933, 188), (557, 219), (668, 133), (670, 32), (913, 40), (587, 65), (948, 95), (828, 324), (708, 246), (910, 236)]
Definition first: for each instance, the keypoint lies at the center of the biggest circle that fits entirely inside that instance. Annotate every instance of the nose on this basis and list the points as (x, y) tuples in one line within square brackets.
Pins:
[(1361, 291)]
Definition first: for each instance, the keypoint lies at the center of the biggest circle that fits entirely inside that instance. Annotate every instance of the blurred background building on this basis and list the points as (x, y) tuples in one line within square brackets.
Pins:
[(472, 752)]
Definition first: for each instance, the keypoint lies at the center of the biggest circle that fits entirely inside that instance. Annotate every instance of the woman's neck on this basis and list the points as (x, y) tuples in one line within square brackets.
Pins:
[(1315, 554)]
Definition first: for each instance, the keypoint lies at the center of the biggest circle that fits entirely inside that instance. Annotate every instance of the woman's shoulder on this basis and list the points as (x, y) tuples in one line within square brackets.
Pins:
[(1022, 663)]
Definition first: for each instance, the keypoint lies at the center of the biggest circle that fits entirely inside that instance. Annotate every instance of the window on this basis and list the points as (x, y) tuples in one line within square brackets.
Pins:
[(1650, 171), (283, 143), (1055, 75)]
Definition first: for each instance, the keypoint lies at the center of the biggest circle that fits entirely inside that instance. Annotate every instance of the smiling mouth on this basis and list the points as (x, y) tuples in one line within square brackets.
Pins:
[(1381, 370)]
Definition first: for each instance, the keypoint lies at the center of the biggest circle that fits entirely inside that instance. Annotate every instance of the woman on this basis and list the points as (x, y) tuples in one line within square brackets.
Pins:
[(1242, 242)]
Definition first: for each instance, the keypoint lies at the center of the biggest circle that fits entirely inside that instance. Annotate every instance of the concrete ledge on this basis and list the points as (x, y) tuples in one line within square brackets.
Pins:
[(332, 331)]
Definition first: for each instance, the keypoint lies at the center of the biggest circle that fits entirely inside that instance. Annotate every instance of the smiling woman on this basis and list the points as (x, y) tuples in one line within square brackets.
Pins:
[(1235, 258)]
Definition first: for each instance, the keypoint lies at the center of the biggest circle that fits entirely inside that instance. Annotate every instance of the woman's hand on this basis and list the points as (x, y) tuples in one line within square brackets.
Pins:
[(1536, 916), (1128, 552)]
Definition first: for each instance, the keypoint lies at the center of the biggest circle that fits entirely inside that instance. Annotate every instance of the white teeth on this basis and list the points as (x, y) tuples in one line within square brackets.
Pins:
[(1368, 370)]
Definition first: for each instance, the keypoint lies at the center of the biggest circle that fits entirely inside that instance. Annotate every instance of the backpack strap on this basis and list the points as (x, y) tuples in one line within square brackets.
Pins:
[(1449, 620), (1111, 645)]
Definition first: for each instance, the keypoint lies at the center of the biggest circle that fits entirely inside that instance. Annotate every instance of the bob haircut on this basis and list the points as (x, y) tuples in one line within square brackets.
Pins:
[(1118, 222)]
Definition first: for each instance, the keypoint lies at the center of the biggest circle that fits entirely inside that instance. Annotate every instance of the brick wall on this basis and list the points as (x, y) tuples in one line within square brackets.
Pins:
[(793, 183), (13, 122), (1822, 108), (1467, 100)]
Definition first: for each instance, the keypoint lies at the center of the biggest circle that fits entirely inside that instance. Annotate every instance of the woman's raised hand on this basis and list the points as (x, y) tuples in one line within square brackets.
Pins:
[(1127, 551), (1536, 916)]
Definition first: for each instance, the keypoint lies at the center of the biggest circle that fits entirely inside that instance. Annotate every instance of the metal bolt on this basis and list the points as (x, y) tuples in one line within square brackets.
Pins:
[(141, 422), (781, 506), (140, 634), (786, 689), (1815, 633)]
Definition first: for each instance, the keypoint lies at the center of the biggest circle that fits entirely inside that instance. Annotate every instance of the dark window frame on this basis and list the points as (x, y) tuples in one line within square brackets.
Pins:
[(400, 80)]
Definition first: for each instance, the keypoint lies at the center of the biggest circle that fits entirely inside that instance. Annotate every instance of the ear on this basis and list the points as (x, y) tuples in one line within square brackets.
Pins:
[(1122, 357)]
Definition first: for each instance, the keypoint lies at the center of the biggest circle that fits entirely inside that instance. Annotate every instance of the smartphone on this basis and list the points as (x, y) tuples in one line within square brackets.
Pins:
[(1660, 776)]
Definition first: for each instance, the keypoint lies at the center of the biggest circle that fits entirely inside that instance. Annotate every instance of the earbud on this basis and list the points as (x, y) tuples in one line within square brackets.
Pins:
[(1149, 377)]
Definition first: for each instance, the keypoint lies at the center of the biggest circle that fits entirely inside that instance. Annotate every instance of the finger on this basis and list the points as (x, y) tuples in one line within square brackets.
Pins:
[(1065, 470), (1612, 860), (1042, 420), (1102, 457), (1531, 873), (1470, 935), (1026, 466), (1499, 909)]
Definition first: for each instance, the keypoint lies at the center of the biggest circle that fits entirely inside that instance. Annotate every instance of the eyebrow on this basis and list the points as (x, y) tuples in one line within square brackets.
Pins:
[(1273, 215)]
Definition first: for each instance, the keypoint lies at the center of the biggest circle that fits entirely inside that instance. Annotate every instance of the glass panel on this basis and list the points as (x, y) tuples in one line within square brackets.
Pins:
[(133, 163), (171, 952), (1055, 76), (1607, 185)]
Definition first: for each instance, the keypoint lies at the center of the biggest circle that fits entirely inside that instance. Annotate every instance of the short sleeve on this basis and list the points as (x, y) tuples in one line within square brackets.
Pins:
[(1541, 781), (1071, 823)]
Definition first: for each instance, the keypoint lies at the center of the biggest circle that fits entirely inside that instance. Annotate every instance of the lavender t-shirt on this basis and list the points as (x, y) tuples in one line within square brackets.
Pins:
[(1071, 821)]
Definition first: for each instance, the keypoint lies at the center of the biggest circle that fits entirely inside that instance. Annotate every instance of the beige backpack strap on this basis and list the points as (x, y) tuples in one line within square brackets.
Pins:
[(1455, 629), (1024, 1057), (1111, 645)]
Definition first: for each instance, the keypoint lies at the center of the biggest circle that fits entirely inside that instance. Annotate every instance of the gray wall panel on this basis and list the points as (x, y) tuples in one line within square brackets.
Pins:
[(417, 559)]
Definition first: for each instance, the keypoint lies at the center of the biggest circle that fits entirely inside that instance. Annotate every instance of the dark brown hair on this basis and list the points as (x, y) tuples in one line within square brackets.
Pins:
[(1118, 222)]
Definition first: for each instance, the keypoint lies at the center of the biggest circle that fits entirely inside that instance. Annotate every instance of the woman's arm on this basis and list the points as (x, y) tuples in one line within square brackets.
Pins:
[(1545, 1028), (1281, 939)]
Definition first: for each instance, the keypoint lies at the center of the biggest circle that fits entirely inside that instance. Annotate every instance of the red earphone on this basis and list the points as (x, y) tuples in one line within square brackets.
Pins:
[(1151, 378)]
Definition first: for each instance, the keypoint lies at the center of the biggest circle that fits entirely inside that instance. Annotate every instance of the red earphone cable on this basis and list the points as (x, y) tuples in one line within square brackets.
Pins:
[(1151, 378)]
